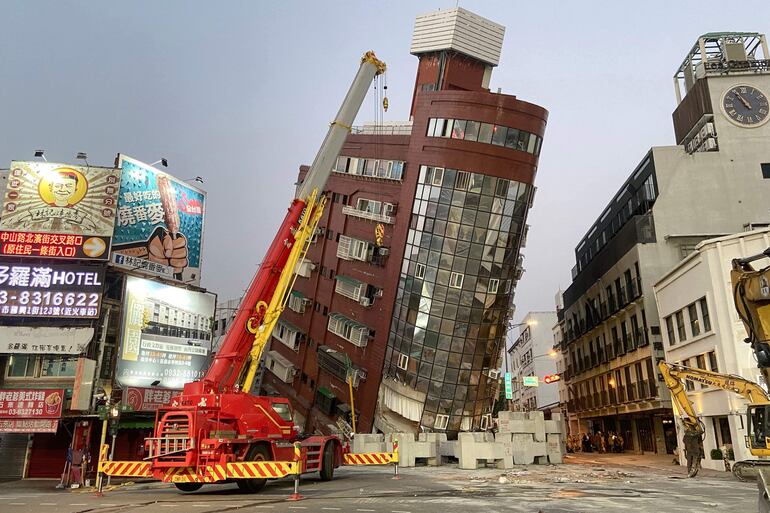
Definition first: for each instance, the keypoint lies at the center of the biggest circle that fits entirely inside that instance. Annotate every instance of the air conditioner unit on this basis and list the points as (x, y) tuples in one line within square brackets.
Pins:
[(486, 421), (707, 131), (494, 373), (403, 361), (383, 251), (379, 293), (710, 145), (365, 301)]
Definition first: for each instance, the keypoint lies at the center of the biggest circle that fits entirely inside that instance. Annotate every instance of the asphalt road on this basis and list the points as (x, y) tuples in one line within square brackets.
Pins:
[(570, 488)]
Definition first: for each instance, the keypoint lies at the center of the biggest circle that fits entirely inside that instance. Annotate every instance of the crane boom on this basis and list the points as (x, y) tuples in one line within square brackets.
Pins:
[(237, 345)]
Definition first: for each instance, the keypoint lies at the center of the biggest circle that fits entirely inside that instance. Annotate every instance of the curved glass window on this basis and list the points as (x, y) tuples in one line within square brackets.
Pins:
[(486, 133)]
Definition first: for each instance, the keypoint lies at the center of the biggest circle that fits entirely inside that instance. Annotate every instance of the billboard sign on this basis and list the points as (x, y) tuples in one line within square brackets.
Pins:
[(148, 399), (44, 340), (159, 220), (28, 425), (58, 210), (530, 381), (166, 335), (31, 403), (50, 290)]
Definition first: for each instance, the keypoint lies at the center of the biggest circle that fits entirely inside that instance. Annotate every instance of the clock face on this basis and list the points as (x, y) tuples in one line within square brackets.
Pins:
[(745, 105)]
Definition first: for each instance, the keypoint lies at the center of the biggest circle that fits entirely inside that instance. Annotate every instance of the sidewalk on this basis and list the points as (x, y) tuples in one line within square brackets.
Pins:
[(654, 461)]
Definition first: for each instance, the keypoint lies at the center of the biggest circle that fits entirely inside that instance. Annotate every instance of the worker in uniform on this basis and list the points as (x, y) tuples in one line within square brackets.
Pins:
[(693, 450)]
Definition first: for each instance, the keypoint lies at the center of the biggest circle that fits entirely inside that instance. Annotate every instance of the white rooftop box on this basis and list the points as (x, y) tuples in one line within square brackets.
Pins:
[(459, 30)]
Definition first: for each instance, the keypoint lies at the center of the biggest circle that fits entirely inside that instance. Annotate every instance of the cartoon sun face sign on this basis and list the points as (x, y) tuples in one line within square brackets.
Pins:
[(62, 187)]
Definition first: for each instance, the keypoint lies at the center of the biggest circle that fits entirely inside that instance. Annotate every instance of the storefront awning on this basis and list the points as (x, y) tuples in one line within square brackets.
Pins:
[(326, 392), (298, 294)]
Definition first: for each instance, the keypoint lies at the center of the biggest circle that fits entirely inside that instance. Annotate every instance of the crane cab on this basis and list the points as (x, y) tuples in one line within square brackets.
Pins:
[(758, 422)]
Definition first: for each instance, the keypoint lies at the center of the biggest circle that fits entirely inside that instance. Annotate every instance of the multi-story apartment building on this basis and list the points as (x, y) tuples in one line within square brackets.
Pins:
[(409, 284), (714, 182), (701, 330), (532, 355)]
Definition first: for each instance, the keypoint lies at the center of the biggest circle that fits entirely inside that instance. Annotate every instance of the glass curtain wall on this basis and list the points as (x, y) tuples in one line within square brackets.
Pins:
[(455, 291)]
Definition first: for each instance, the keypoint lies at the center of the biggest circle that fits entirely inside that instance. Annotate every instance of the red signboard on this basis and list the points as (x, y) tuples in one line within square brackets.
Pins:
[(148, 399), (28, 425), (31, 403), (49, 245)]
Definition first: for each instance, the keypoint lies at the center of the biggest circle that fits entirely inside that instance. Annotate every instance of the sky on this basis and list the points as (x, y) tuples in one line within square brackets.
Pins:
[(241, 94)]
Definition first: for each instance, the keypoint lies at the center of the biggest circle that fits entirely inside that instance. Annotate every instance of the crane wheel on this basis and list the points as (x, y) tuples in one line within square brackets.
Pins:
[(188, 487), (256, 453), (327, 462)]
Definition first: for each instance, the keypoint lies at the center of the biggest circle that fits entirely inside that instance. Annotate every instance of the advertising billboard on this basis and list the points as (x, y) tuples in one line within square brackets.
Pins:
[(34, 403), (50, 290), (159, 223), (58, 211), (166, 335)]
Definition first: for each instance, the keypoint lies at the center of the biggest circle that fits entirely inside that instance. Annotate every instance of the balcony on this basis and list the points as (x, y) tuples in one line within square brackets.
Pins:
[(336, 364), (288, 334), (382, 214), (276, 363), (652, 388), (358, 291), (297, 302), (352, 331)]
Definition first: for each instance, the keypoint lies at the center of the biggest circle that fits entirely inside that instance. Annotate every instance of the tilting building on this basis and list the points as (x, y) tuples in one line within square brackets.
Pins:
[(408, 286)]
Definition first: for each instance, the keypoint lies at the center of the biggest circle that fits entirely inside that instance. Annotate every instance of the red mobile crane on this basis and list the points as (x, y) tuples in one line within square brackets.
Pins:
[(216, 430)]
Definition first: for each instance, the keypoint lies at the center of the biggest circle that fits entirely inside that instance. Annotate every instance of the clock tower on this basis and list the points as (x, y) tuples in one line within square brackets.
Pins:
[(722, 89)]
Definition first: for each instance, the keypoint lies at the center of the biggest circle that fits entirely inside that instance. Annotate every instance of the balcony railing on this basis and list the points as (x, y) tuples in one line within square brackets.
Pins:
[(350, 210), (652, 387)]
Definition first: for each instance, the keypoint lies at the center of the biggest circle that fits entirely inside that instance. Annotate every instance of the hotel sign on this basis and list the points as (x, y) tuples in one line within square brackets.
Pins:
[(52, 290)]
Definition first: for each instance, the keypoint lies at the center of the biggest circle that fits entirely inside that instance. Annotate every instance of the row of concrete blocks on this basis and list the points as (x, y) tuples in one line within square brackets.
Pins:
[(521, 439)]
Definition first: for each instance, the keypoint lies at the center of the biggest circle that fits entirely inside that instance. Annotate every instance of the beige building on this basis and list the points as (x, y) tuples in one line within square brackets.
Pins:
[(701, 329)]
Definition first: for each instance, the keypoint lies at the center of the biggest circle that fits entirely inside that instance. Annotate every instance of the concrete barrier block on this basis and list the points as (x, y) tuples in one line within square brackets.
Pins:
[(511, 415), (536, 417), (555, 448), (552, 426), (481, 446), (449, 449), (363, 442), (522, 448)]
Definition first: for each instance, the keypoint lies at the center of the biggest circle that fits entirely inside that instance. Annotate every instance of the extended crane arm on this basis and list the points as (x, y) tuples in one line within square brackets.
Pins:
[(675, 375), (264, 299)]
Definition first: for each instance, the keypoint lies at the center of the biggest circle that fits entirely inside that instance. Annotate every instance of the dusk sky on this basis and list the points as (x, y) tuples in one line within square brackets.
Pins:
[(241, 93)]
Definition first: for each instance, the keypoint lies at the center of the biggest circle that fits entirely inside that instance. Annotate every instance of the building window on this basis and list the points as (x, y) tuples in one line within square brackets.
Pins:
[(679, 316), (438, 176), (456, 280), (20, 366), (463, 180), (493, 284), (419, 271), (765, 170), (670, 330), (704, 312), (692, 312), (713, 367), (58, 366), (442, 421)]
